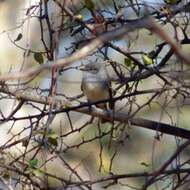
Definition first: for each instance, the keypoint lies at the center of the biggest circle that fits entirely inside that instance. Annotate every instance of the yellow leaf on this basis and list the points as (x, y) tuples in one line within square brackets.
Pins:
[(147, 60)]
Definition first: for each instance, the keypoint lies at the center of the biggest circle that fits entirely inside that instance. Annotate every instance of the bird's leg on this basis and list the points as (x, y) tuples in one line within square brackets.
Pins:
[(89, 106)]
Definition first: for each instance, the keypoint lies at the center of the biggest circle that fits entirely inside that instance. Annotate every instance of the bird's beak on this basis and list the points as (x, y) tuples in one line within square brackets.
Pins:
[(83, 68)]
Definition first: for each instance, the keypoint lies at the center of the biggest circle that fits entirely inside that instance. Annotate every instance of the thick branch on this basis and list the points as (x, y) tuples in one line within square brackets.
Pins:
[(66, 106)]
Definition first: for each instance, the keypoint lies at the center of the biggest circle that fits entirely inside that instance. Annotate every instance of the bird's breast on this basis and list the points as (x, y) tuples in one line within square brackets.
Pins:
[(96, 90)]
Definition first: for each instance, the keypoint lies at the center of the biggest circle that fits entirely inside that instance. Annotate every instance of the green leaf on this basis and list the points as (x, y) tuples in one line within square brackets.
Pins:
[(172, 2), (52, 138), (147, 60), (53, 141), (6, 174), (144, 164), (32, 163), (39, 57), (52, 135), (128, 62), (37, 173), (19, 37), (89, 5)]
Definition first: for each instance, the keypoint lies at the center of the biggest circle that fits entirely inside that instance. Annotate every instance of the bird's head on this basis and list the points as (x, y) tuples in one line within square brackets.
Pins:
[(92, 67)]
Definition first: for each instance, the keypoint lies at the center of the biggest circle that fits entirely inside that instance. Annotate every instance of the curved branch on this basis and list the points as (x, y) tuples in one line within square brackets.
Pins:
[(145, 22)]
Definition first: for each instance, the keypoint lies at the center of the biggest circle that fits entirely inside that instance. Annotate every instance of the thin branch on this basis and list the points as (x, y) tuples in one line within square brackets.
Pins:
[(166, 164)]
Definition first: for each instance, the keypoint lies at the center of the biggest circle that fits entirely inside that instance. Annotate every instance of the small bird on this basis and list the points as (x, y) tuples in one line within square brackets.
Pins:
[(96, 84)]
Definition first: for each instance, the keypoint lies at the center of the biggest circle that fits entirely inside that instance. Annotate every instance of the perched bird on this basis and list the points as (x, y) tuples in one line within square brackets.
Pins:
[(96, 84)]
